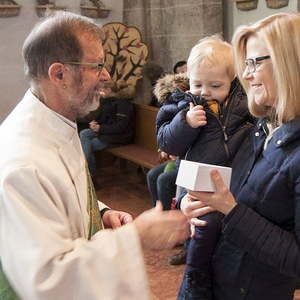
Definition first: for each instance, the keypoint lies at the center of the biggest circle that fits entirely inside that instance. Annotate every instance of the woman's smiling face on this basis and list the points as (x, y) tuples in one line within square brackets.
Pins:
[(261, 81)]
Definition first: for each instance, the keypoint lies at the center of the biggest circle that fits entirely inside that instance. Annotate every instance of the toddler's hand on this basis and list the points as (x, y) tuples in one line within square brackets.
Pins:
[(196, 116)]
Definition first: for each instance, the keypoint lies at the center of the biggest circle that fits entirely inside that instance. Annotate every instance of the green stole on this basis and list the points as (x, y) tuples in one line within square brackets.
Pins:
[(6, 292), (95, 224)]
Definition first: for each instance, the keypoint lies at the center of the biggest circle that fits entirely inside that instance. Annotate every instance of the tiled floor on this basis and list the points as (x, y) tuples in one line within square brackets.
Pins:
[(126, 190)]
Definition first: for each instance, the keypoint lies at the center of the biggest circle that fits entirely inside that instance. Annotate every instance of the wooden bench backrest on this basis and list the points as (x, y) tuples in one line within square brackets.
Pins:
[(145, 133)]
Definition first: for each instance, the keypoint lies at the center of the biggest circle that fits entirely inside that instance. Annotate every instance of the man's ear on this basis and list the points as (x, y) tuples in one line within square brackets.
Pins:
[(56, 73)]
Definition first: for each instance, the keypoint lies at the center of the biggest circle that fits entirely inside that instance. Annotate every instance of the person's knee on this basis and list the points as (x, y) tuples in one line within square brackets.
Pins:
[(86, 134), (165, 180), (152, 175)]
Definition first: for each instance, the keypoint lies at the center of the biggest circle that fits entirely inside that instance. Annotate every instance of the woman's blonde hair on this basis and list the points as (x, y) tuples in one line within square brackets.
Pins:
[(213, 51), (281, 34)]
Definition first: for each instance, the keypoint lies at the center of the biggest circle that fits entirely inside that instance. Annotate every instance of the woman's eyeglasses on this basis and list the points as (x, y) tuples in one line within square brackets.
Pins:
[(251, 63)]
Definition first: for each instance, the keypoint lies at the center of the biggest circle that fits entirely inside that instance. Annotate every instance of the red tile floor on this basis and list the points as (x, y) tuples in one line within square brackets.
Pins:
[(126, 190)]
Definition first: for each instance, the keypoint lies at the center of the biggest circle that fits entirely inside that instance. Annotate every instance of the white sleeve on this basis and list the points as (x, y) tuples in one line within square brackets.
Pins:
[(43, 260)]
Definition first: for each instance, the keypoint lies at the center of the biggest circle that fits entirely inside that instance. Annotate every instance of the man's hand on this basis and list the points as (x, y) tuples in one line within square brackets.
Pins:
[(114, 218), (160, 229), (196, 116)]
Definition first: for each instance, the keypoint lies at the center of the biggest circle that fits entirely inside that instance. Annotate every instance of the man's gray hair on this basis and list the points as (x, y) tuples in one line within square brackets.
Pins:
[(55, 39)]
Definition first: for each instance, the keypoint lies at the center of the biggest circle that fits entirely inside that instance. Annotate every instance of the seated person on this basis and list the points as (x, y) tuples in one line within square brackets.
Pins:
[(111, 124), (180, 67), (161, 180)]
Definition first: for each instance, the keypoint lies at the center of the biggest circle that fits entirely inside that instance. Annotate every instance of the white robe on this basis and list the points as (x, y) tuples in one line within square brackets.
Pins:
[(44, 249)]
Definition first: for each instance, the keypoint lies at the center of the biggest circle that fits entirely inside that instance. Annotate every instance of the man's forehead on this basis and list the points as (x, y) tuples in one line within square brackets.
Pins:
[(92, 48)]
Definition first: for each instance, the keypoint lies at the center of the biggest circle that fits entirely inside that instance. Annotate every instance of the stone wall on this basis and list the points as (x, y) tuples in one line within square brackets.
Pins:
[(235, 17), (170, 28)]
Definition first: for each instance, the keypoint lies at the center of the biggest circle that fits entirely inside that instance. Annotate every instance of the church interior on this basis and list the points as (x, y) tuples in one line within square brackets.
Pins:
[(142, 40)]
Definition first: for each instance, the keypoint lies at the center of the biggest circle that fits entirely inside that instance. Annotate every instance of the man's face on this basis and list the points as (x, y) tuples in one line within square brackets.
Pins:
[(85, 90)]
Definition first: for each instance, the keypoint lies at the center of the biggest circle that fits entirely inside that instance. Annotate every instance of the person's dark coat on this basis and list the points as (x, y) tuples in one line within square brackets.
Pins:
[(116, 117), (258, 255), (117, 120), (217, 141)]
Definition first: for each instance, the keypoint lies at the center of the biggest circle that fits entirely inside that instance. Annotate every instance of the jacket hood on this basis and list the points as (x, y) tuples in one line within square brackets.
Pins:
[(168, 84)]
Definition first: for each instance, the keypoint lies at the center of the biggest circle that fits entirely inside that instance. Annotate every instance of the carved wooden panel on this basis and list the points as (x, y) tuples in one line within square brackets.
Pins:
[(124, 51)]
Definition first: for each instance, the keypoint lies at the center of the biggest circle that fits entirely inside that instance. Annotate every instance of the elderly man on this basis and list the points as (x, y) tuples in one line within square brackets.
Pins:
[(51, 242)]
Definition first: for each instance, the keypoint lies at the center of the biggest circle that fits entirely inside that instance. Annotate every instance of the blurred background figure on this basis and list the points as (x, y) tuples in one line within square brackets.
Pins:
[(151, 72), (180, 67), (111, 124)]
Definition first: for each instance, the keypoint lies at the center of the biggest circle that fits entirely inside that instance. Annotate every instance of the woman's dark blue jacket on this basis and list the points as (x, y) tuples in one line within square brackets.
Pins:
[(215, 143), (258, 254)]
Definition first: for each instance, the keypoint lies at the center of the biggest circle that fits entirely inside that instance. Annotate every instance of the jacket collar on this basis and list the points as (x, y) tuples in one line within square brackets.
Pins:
[(287, 132)]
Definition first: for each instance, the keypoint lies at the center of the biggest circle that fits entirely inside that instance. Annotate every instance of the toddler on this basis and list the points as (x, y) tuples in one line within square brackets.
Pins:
[(208, 124)]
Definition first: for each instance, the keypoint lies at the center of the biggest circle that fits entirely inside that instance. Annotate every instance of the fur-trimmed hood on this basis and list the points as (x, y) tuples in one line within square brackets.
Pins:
[(168, 84)]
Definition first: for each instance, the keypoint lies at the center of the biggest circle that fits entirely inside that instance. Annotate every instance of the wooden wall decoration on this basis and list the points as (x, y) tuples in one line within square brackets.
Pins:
[(277, 3), (94, 9), (9, 8), (124, 51), (46, 5), (246, 4)]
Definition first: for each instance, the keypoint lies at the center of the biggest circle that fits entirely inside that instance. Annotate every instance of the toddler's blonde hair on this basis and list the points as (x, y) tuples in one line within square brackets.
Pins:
[(212, 51)]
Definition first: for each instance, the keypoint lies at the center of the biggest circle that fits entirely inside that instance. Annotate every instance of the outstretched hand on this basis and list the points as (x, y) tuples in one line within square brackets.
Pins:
[(160, 229)]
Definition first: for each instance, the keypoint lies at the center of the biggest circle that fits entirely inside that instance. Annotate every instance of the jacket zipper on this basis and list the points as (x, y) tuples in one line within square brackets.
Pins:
[(223, 127)]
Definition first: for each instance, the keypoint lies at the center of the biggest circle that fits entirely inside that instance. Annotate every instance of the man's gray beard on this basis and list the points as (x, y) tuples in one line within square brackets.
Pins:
[(91, 103)]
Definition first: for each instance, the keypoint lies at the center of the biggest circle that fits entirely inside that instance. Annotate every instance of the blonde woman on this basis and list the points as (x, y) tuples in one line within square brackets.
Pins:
[(258, 254)]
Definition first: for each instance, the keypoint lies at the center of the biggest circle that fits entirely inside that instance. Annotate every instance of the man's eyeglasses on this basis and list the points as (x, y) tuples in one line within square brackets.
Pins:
[(251, 63), (99, 66)]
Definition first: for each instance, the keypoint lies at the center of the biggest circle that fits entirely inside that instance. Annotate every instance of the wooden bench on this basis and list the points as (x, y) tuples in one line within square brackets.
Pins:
[(143, 151)]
